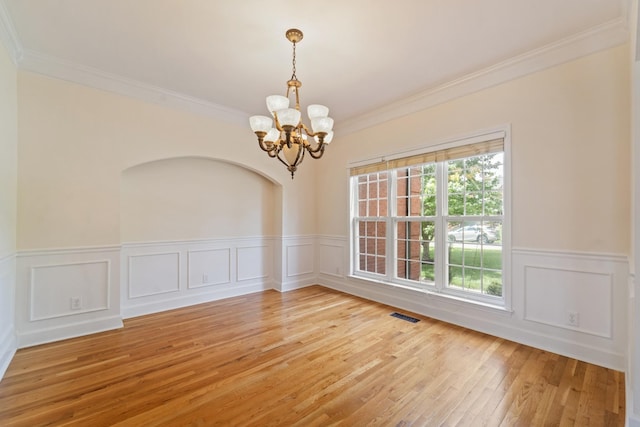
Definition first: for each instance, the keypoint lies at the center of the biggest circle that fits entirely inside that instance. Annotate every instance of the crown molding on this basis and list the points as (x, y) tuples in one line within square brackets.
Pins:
[(8, 34), (595, 39), (598, 38), (65, 70)]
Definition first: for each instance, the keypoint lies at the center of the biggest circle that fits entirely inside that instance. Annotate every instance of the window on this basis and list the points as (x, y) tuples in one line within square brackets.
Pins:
[(434, 220)]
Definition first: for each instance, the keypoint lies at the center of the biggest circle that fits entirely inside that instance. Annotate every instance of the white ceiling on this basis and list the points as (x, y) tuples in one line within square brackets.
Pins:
[(356, 56)]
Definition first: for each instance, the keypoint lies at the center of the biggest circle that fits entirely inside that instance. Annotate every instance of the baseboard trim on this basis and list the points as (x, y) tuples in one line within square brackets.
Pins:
[(8, 347), (188, 300), (47, 335), (632, 419), (291, 285)]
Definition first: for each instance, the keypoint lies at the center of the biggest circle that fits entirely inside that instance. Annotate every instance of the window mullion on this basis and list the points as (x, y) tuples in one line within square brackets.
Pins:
[(441, 226), (392, 223)]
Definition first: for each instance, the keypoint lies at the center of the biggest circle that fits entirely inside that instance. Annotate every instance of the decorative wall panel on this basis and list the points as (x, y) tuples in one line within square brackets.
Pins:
[(67, 289), (152, 274), (331, 259), (299, 259), (209, 267), (570, 299), (253, 262)]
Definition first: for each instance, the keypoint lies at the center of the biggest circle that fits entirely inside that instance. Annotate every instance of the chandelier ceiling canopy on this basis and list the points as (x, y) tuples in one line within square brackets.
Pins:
[(283, 135)]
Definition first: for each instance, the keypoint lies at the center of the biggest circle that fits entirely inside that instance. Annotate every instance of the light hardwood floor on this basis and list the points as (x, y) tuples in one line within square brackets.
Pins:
[(310, 357)]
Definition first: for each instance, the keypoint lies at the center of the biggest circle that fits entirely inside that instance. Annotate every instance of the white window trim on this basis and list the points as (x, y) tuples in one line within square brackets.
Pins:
[(503, 131)]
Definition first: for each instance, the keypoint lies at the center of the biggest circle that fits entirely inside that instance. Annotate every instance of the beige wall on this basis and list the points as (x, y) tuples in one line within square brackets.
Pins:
[(8, 154), (75, 143), (570, 152), (195, 198)]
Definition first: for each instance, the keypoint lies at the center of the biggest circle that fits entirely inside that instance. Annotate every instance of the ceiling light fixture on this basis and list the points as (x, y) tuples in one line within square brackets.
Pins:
[(290, 138)]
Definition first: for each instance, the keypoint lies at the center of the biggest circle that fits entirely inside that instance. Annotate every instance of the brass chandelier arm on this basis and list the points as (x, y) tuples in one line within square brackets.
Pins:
[(264, 147), (318, 152), (319, 147), (276, 122), (273, 153), (307, 131)]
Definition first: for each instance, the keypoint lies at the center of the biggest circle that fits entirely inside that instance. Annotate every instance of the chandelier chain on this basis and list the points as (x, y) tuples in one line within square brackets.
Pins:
[(293, 76)]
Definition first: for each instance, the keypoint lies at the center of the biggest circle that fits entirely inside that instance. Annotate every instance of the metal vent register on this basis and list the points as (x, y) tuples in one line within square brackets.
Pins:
[(405, 317)]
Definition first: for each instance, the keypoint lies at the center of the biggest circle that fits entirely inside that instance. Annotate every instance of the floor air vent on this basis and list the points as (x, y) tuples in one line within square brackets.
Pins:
[(405, 317)]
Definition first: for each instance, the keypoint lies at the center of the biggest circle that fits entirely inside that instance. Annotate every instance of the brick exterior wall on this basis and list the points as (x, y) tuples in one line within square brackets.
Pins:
[(372, 201)]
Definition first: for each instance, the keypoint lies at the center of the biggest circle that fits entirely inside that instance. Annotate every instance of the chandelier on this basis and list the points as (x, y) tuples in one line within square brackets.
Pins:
[(289, 139)]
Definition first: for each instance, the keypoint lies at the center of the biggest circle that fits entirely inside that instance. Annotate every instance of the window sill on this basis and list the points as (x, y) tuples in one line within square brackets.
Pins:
[(438, 297)]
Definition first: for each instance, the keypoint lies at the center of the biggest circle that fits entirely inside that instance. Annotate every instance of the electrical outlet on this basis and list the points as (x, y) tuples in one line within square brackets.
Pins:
[(76, 303), (205, 278), (573, 318)]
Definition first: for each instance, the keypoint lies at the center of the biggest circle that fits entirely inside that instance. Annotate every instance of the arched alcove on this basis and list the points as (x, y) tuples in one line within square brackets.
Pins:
[(191, 198)]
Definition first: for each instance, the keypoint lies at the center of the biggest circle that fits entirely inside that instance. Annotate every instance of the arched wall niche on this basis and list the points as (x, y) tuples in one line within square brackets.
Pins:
[(192, 198)]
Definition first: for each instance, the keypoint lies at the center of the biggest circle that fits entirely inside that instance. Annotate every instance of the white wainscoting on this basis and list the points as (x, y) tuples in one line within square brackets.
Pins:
[(8, 342), (299, 267), (158, 276), (53, 287), (550, 286), (142, 278), (253, 262), (332, 256), (152, 274), (582, 301), (547, 286), (63, 293), (208, 267)]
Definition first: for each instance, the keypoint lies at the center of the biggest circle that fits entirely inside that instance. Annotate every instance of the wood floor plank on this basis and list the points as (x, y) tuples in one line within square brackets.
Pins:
[(310, 357)]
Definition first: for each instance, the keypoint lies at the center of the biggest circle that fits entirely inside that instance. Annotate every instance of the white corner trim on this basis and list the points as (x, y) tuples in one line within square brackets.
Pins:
[(595, 39), (66, 70), (8, 346), (8, 35)]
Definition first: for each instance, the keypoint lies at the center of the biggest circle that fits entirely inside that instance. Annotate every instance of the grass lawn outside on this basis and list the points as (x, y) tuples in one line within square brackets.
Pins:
[(472, 267)]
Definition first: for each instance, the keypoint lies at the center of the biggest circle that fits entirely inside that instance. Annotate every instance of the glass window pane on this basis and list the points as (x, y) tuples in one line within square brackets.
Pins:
[(456, 204), (492, 283), (416, 250), (373, 190), (362, 208), (415, 206), (401, 206), (428, 272), (473, 203), (373, 208), (493, 203)]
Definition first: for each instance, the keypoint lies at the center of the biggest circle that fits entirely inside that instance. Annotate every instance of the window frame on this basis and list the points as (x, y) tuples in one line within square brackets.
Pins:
[(441, 219)]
